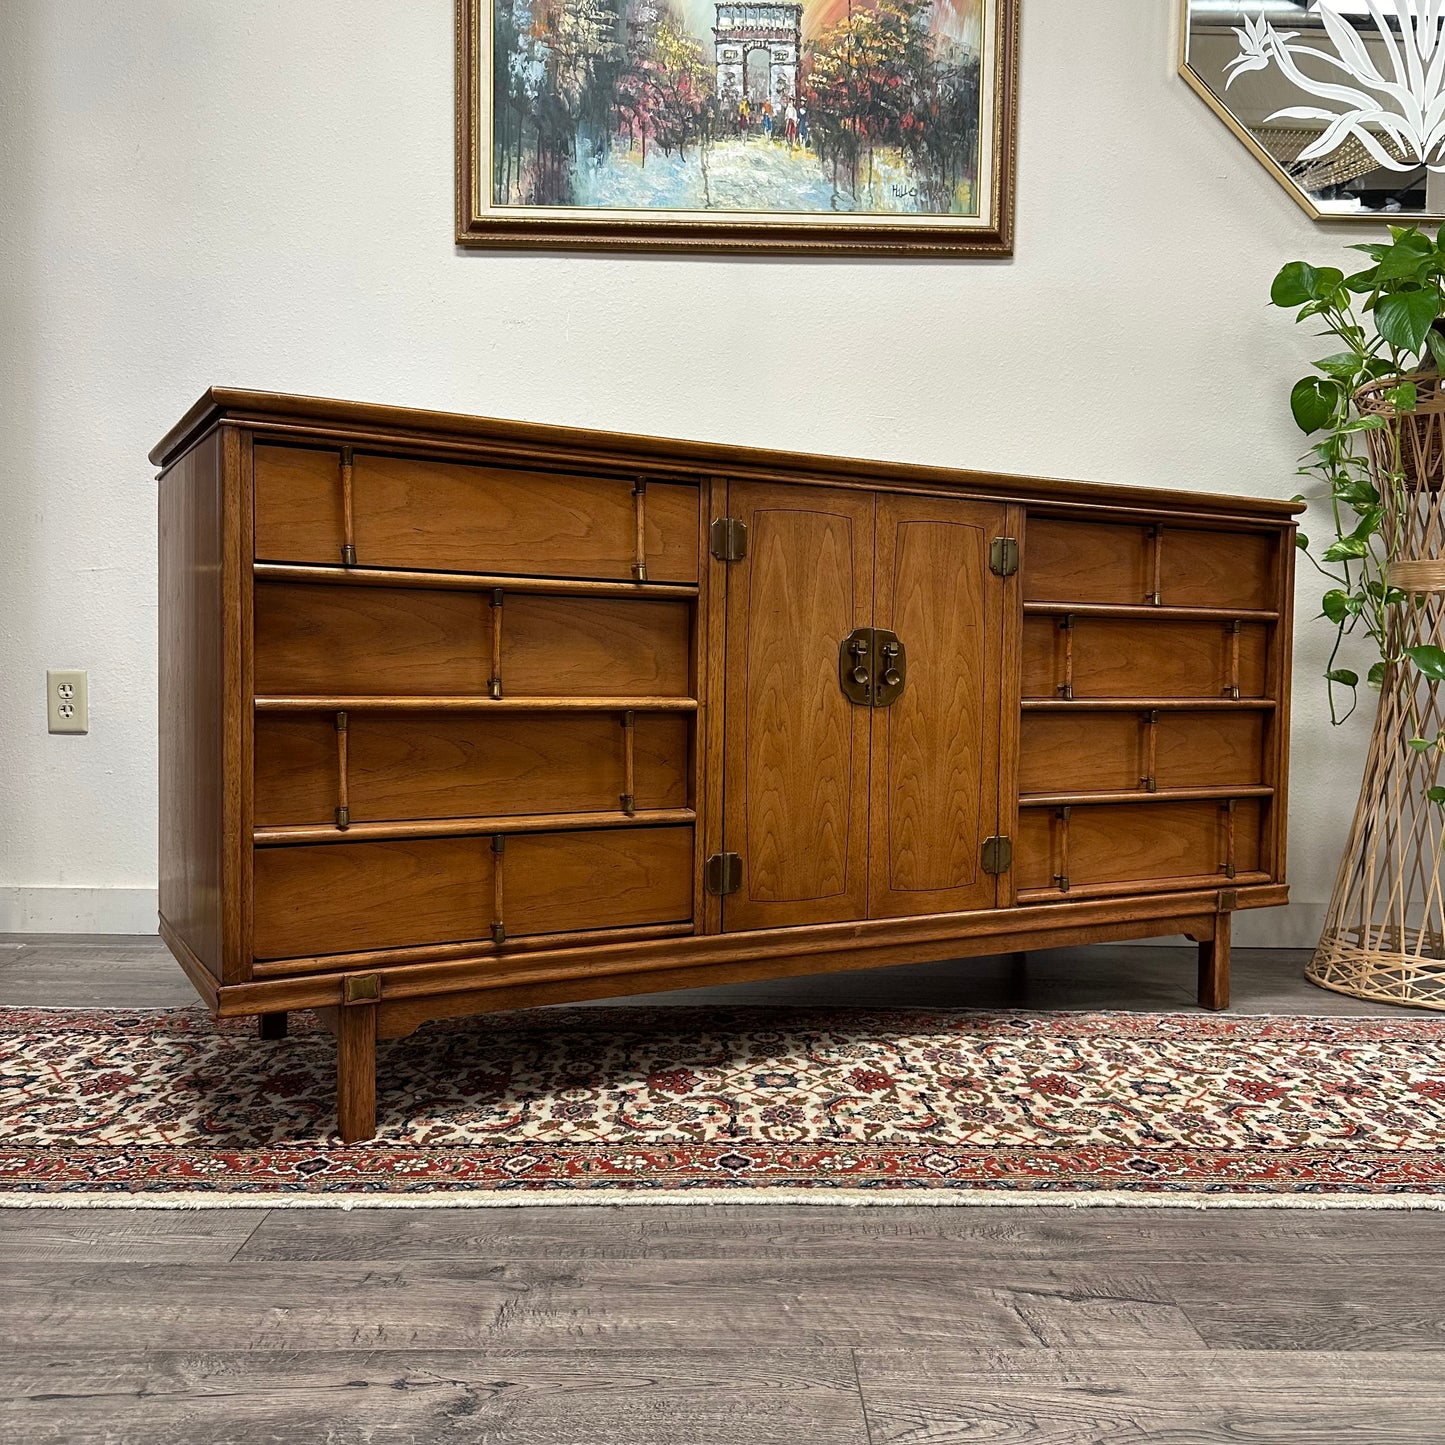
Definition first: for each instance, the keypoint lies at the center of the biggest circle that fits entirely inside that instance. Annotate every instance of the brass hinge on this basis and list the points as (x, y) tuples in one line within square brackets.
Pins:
[(997, 855), (1003, 556), (728, 539), (724, 874)]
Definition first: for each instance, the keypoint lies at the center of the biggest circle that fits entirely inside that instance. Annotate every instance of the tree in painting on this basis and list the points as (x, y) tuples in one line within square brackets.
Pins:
[(709, 105)]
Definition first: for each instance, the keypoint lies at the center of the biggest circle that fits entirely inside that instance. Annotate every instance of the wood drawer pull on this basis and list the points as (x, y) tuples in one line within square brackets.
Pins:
[(1156, 595), (499, 852), (348, 525), (1061, 878), (629, 786), (494, 682), (1066, 627), (639, 506), (343, 781)]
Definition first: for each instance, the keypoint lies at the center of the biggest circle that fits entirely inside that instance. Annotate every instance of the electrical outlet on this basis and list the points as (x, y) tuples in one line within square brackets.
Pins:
[(67, 702)]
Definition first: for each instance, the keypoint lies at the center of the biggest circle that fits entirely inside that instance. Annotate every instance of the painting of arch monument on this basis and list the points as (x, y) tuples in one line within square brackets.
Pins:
[(824, 107)]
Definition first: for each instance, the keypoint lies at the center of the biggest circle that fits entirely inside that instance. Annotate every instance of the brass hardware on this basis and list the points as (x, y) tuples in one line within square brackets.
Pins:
[(499, 934), (872, 667), (1003, 556), (997, 854), (639, 571), (341, 722), (1228, 900), (724, 874), (343, 818), (348, 555), (361, 988), (728, 539), (629, 804)]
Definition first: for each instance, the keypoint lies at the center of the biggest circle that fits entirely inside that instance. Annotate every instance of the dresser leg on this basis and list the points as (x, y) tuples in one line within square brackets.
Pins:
[(356, 1072), (271, 1026), (1214, 965)]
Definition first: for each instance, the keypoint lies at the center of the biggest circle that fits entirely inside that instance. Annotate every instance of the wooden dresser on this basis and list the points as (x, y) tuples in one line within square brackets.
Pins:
[(461, 715)]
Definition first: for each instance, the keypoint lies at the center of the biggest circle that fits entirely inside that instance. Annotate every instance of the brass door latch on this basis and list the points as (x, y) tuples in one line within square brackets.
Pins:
[(872, 667)]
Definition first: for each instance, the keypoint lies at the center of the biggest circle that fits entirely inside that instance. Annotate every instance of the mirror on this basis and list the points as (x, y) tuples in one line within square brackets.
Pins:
[(1343, 101)]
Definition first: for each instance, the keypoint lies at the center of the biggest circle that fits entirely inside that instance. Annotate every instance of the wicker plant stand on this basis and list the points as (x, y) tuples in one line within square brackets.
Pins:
[(1384, 933)]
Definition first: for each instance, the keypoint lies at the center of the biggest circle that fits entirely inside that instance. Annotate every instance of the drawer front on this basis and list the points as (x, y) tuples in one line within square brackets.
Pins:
[(318, 640), (350, 897), (1104, 752), (457, 517), (1135, 843), (1109, 657), (445, 766), (1111, 562)]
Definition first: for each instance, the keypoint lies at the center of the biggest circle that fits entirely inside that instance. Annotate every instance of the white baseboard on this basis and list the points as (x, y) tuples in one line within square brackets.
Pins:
[(133, 910), (77, 910)]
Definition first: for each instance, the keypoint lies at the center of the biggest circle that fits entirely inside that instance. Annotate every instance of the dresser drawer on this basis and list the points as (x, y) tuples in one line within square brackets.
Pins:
[(1128, 563), (1110, 751), (1086, 657), (352, 897), (441, 765), (322, 640), (1135, 843), (456, 517)]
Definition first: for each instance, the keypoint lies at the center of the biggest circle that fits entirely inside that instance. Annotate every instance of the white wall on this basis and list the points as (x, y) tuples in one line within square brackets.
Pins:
[(259, 193)]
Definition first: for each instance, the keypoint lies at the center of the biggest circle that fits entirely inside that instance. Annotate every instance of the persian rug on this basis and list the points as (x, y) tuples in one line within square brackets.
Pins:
[(635, 1104)]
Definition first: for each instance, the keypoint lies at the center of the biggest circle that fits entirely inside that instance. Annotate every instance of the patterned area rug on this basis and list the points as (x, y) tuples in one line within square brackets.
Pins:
[(593, 1105)]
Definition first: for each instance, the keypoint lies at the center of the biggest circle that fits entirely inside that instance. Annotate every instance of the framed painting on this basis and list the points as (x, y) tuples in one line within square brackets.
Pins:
[(879, 127)]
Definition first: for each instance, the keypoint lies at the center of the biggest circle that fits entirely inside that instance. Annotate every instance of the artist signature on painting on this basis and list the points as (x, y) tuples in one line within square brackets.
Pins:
[(901, 192)]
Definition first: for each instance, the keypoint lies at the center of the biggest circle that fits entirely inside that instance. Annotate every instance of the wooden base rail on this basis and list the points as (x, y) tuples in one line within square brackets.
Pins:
[(470, 827), (1148, 704), (467, 581), (476, 704), (1148, 610)]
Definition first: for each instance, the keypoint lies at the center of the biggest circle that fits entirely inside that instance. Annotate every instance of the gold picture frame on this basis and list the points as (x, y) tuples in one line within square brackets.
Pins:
[(935, 182)]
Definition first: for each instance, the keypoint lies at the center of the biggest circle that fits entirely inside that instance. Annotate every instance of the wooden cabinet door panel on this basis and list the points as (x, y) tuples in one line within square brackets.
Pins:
[(315, 639), (1086, 562), (1135, 843), (796, 775), (935, 750), (401, 766), (1108, 752), (469, 517), (1149, 657), (1217, 569), (351, 897)]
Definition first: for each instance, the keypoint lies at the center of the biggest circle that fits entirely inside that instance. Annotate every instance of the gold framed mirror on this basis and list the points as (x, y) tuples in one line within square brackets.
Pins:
[(1342, 101)]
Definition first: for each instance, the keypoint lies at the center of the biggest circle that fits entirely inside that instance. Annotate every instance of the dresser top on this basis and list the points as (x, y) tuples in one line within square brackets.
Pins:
[(321, 419)]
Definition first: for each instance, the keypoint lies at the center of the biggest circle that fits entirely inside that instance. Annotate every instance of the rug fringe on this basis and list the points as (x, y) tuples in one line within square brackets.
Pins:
[(856, 1198)]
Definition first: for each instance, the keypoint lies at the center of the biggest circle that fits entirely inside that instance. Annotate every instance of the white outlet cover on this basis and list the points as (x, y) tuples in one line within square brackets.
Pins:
[(67, 701)]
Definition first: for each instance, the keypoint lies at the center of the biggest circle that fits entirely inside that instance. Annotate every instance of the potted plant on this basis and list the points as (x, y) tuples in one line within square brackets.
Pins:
[(1376, 409)]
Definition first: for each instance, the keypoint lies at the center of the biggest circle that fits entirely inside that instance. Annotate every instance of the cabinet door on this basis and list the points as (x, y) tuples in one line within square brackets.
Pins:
[(936, 759), (795, 804)]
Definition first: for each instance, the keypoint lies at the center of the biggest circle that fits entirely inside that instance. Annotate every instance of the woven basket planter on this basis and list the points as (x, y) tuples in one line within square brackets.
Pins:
[(1384, 933)]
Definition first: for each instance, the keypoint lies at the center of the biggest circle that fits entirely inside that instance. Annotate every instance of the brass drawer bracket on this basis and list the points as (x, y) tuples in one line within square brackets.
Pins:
[(1003, 556), (728, 539), (361, 988), (724, 874)]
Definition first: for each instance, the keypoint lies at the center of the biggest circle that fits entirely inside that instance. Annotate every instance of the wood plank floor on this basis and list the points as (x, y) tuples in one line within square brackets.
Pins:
[(740, 1323)]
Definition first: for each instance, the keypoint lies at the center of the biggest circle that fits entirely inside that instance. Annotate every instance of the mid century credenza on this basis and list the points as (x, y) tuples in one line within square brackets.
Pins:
[(460, 715)]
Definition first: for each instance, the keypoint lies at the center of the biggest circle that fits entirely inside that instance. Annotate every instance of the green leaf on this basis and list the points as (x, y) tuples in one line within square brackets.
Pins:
[(1376, 675), (1430, 660), (1435, 795), (1313, 402), (1344, 676), (1343, 366), (1375, 250), (1343, 548), (1294, 285), (1301, 541), (1421, 745), (1407, 258), (1336, 604), (1362, 282), (1404, 396), (1327, 281), (1404, 318)]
